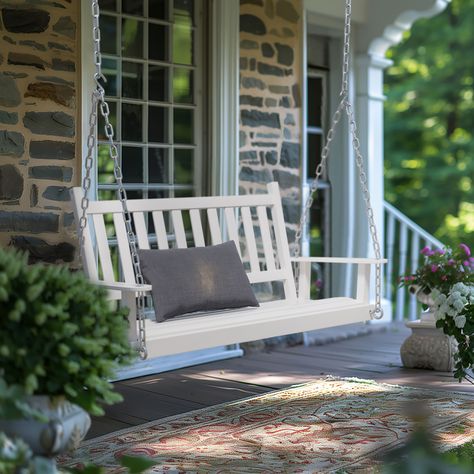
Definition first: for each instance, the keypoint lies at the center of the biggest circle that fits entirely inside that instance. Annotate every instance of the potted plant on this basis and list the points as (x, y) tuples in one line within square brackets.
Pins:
[(60, 342), (454, 313), (441, 269)]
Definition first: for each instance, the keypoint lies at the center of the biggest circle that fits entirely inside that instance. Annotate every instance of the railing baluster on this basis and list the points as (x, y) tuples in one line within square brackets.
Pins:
[(390, 246), (401, 291), (415, 254)]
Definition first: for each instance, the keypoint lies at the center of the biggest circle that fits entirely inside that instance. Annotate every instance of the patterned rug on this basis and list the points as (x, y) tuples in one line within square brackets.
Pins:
[(330, 425)]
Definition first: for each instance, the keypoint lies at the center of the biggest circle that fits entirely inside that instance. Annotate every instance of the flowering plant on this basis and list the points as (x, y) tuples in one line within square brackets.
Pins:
[(454, 313), (442, 269)]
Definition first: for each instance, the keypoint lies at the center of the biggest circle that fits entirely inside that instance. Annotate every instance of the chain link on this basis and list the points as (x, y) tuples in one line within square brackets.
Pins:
[(99, 101), (345, 106)]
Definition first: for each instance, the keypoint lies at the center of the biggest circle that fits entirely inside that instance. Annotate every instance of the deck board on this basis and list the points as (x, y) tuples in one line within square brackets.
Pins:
[(373, 356)]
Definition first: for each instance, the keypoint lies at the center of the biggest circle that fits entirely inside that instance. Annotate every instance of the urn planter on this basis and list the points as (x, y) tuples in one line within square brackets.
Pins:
[(427, 347), (66, 428)]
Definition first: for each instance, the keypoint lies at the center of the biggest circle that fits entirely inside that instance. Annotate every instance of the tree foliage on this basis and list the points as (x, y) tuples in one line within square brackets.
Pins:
[(429, 124)]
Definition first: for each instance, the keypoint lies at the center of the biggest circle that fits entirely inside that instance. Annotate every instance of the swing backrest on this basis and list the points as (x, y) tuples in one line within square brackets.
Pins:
[(254, 222)]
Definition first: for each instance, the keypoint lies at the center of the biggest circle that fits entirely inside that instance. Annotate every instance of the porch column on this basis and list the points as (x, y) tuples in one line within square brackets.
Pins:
[(369, 70)]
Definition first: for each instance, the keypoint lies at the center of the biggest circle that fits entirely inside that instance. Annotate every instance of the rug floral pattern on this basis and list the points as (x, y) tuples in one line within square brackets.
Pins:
[(325, 426)]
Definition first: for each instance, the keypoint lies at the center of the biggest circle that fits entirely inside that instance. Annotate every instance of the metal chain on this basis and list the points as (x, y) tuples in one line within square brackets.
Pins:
[(99, 100), (345, 105)]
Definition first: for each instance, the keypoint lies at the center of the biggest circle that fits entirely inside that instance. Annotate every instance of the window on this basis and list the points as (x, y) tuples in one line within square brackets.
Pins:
[(152, 62)]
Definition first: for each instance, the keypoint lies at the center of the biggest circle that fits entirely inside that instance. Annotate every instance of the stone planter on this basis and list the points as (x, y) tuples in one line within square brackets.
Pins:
[(67, 426), (427, 347)]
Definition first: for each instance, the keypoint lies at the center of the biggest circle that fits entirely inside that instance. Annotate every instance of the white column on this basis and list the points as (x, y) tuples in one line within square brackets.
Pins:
[(369, 101)]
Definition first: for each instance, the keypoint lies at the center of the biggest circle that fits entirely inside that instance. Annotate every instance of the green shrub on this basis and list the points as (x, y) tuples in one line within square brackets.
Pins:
[(59, 335)]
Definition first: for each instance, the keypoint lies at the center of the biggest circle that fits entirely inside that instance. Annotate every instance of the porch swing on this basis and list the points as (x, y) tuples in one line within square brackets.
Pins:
[(228, 218)]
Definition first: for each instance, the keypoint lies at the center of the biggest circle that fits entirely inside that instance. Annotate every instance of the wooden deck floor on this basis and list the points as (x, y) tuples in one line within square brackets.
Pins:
[(374, 356)]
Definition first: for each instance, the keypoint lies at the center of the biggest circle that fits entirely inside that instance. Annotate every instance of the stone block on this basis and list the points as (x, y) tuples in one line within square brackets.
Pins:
[(41, 251), (267, 50), (255, 175), (285, 54), (59, 173), (248, 44), (50, 123), (65, 26), (19, 59), (34, 195), (60, 93), (290, 155), (248, 157), (9, 93), (270, 70), (256, 118), (252, 83), (33, 222), (11, 143), (252, 24), (8, 117), (286, 180), (25, 20), (251, 100), (33, 44), (286, 10), (271, 157), (57, 193), (11, 183), (63, 65), (51, 150)]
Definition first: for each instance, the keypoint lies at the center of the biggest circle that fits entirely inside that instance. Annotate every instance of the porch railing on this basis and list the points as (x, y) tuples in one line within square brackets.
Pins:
[(403, 241)]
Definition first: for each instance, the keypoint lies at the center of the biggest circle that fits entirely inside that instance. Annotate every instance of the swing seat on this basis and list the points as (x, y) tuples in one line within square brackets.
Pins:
[(256, 224)]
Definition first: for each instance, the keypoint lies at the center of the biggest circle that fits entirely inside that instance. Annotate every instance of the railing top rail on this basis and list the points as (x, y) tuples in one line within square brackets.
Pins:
[(412, 225)]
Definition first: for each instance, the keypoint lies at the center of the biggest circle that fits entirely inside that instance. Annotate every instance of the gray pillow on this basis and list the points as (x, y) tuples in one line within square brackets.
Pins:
[(196, 279)]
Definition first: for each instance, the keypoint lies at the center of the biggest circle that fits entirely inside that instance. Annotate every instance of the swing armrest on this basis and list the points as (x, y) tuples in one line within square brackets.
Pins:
[(359, 261), (124, 287)]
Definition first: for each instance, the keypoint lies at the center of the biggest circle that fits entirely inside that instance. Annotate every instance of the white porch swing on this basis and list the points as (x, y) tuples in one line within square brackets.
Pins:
[(224, 215)]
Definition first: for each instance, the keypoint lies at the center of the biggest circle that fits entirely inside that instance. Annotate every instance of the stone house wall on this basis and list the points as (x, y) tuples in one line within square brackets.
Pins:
[(270, 100), (39, 123)]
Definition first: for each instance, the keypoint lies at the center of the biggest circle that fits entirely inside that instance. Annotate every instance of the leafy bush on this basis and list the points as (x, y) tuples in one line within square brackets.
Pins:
[(59, 335)]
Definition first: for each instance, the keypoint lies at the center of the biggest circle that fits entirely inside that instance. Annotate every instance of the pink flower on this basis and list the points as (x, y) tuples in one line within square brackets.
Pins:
[(318, 283), (451, 262), (466, 263), (444, 277), (440, 251), (412, 278), (434, 268), (465, 249), (426, 251)]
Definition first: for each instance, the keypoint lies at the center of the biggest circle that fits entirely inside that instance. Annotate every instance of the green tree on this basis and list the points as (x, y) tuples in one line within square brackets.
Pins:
[(429, 124)]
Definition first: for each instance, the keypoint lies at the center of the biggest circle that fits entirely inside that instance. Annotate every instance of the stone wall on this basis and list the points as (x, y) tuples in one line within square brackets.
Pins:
[(39, 75), (270, 100)]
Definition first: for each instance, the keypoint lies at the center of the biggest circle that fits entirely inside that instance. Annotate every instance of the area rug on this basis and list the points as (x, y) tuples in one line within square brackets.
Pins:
[(330, 425)]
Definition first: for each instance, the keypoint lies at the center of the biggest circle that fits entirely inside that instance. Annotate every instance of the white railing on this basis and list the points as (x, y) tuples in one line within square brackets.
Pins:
[(403, 241)]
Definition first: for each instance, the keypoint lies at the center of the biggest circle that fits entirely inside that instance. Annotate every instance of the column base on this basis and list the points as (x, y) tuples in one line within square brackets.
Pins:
[(428, 348)]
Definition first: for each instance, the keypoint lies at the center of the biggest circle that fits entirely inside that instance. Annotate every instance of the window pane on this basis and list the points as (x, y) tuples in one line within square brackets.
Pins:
[(108, 38), (158, 170), (132, 164), (132, 80), (315, 101), (109, 69), (108, 5), (132, 123), (183, 86), (107, 195), (158, 9), (132, 38), (183, 166), (105, 165), (183, 11), (314, 154), (183, 126), (182, 44), (133, 7), (158, 42), (158, 83), (158, 124), (112, 119)]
